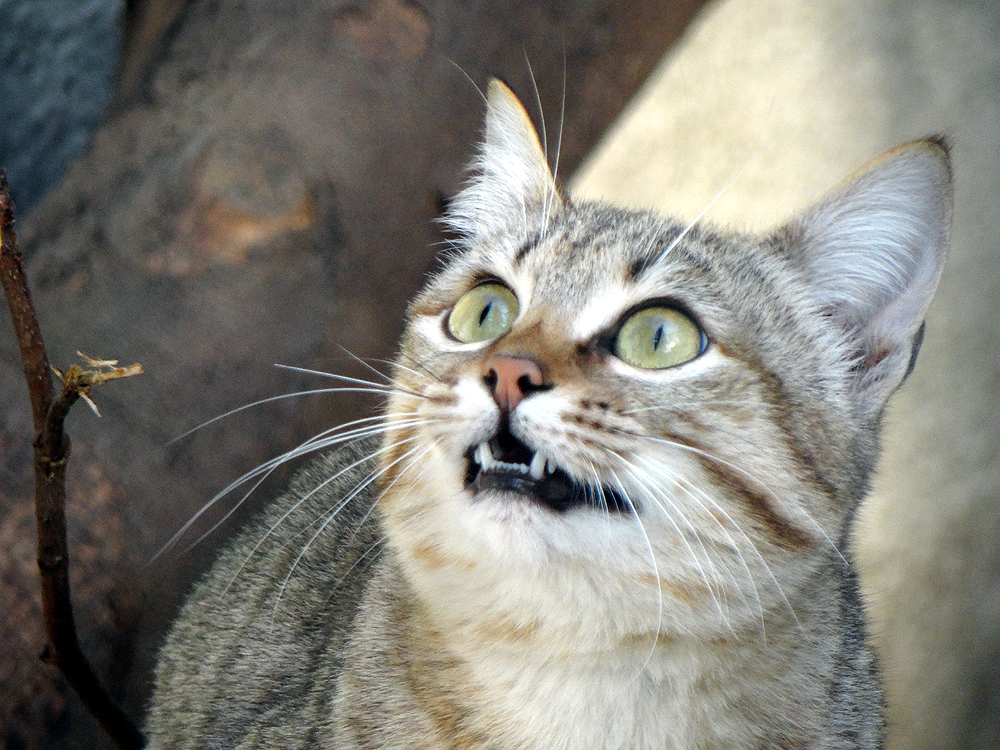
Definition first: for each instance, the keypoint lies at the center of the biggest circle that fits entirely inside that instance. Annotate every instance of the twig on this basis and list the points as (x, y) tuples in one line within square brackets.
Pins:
[(51, 446)]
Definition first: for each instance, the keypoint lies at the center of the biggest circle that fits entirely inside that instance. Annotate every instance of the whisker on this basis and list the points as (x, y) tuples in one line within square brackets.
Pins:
[(363, 557), (559, 135), (372, 426), (546, 209), (739, 173), (675, 405), (757, 481), (298, 504), (691, 490), (427, 374), (604, 502), (656, 574), (354, 493), (372, 388), (365, 363), (753, 546), (264, 468), (538, 101), (645, 487), (422, 511), (328, 514), (470, 80)]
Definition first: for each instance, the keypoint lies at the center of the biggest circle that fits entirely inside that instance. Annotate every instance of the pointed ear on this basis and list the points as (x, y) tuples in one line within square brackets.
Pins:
[(511, 182), (873, 253)]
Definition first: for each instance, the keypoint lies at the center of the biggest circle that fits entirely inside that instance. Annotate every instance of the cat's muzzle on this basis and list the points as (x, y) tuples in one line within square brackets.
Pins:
[(505, 464)]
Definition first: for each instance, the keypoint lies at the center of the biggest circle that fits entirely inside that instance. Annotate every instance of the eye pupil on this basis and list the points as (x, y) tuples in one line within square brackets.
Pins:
[(657, 337), (486, 312)]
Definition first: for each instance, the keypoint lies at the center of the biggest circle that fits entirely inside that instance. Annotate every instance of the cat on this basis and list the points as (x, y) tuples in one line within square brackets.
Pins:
[(609, 503)]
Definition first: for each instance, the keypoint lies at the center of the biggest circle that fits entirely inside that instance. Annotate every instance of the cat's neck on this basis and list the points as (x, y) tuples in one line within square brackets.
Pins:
[(506, 692)]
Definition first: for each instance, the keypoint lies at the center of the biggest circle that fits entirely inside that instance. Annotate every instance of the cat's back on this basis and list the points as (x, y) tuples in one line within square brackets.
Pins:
[(253, 658)]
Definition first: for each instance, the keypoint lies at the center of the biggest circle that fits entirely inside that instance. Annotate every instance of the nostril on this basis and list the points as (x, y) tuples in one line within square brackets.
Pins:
[(527, 385)]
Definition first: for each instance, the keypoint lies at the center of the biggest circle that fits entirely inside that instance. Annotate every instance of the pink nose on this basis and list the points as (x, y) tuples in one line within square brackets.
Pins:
[(511, 379)]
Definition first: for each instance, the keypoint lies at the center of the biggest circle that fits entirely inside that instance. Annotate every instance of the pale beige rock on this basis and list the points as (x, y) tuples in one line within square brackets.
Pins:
[(774, 102)]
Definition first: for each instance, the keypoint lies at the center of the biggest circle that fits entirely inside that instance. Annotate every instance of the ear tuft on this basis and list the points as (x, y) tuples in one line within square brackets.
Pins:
[(511, 180), (873, 252)]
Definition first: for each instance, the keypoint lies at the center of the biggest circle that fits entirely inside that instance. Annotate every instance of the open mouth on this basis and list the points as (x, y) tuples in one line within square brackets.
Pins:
[(505, 464)]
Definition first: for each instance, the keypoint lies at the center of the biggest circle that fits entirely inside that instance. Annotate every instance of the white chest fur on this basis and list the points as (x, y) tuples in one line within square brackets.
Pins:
[(679, 695)]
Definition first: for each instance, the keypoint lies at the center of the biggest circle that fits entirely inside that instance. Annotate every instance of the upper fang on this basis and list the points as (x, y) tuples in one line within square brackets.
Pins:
[(537, 465), (483, 456)]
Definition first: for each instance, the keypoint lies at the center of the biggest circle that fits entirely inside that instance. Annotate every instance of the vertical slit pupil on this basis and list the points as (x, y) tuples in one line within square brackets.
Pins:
[(657, 337), (486, 312)]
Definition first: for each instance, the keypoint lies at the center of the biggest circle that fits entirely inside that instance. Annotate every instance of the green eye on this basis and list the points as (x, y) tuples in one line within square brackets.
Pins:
[(484, 313), (658, 337)]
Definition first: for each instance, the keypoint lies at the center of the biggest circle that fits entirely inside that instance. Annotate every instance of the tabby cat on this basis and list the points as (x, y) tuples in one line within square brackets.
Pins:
[(612, 499)]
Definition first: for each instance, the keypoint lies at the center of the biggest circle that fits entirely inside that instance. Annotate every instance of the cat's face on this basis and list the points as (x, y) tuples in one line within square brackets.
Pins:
[(637, 443), (610, 427)]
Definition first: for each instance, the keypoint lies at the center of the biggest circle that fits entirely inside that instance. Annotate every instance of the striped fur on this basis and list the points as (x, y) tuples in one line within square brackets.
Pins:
[(698, 593)]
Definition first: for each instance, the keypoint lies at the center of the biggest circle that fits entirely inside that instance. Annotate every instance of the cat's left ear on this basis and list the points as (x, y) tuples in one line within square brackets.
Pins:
[(511, 182), (873, 252)]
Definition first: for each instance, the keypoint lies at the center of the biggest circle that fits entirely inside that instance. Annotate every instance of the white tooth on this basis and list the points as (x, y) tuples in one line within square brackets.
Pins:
[(549, 466), (537, 465), (485, 457)]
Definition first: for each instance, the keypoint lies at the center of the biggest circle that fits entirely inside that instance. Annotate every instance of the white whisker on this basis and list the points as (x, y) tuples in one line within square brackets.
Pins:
[(329, 515), (538, 101), (371, 388), (559, 135), (757, 481), (604, 501), (678, 404), (656, 575), (469, 79), (350, 496), (366, 364), (298, 503), (670, 516), (371, 426), (695, 493)]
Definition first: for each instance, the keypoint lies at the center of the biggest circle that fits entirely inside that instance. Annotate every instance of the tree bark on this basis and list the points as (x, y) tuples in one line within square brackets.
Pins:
[(264, 193)]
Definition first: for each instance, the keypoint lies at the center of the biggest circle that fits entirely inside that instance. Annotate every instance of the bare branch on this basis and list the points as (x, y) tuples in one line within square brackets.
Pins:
[(52, 447)]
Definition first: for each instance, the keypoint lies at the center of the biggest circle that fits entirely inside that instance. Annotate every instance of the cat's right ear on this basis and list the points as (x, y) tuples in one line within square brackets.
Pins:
[(511, 183)]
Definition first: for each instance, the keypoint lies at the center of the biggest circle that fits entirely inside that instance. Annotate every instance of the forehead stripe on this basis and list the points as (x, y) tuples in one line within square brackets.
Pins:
[(527, 248)]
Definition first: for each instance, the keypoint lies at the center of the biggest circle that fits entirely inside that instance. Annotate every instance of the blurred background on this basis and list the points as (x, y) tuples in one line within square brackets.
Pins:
[(212, 187)]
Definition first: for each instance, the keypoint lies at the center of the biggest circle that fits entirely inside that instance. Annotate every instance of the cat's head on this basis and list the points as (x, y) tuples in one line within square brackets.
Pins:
[(609, 425)]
